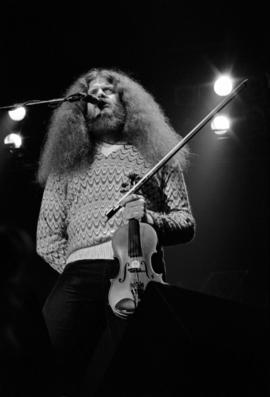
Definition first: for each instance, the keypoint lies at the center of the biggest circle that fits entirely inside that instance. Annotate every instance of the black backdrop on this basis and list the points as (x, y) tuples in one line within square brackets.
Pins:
[(176, 53)]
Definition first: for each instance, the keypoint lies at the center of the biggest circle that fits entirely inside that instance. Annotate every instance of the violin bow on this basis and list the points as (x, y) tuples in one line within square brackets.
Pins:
[(111, 212)]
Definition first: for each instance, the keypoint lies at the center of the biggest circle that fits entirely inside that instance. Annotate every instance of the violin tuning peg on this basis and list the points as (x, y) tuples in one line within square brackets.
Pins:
[(133, 178)]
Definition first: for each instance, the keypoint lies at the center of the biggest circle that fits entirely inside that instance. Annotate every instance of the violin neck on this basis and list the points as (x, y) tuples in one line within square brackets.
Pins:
[(134, 239)]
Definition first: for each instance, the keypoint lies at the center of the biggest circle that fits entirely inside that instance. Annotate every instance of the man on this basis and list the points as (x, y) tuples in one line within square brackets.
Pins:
[(91, 154)]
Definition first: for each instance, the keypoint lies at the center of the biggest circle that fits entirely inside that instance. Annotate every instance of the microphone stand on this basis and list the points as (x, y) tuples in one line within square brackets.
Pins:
[(178, 146), (70, 98)]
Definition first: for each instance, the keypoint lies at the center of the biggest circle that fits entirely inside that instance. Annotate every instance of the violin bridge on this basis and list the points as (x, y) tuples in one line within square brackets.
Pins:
[(136, 266)]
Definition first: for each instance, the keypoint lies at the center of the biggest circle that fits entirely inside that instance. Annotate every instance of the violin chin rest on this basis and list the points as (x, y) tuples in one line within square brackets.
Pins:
[(126, 304)]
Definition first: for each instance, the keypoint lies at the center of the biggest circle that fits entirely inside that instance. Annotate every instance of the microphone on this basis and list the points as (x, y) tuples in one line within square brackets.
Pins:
[(80, 96), (91, 99)]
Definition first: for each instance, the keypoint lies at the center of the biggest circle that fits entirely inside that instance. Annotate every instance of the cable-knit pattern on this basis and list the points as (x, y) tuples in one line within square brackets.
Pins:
[(72, 214)]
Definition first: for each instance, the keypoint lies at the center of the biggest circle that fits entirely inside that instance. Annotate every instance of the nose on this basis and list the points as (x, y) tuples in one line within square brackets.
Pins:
[(100, 93)]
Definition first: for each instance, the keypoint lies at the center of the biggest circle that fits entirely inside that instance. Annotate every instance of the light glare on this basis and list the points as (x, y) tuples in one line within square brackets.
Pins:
[(220, 124), (14, 140), (17, 114), (223, 85)]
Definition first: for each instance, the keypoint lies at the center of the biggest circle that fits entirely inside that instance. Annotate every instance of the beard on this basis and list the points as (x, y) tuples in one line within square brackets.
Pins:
[(107, 123)]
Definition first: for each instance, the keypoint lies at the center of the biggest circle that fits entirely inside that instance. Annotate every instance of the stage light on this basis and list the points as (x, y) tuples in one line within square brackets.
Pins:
[(13, 140), (220, 124), (223, 85), (17, 114)]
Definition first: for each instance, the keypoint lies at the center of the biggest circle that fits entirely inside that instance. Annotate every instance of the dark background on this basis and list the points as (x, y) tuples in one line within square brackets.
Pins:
[(176, 52)]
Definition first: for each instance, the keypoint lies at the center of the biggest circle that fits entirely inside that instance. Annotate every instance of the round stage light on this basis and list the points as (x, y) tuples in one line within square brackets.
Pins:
[(14, 140), (17, 114), (223, 85), (220, 124)]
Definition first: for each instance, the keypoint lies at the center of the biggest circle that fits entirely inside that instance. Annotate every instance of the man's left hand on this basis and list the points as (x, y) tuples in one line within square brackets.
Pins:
[(135, 208)]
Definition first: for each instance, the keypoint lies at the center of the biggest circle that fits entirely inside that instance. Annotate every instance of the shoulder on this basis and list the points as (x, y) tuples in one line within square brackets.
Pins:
[(172, 169), (56, 182)]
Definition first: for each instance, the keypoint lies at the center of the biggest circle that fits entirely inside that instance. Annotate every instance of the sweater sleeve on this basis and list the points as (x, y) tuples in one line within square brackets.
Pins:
[(174, 224), (51, 228)]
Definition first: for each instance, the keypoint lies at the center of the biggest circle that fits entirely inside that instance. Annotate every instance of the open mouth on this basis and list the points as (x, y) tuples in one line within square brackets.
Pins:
[(104, 105)]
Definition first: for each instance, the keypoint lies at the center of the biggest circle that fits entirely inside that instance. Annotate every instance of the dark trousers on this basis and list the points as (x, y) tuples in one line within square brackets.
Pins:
[(77, 314)]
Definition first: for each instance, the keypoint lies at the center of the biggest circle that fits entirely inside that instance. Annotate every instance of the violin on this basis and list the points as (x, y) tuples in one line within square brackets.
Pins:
[(133, 245)]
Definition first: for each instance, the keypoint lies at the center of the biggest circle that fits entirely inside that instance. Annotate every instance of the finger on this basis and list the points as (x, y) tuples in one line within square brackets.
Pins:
[(138, 207), (135, 208), (135, 215), (140, 203), (132, 197)]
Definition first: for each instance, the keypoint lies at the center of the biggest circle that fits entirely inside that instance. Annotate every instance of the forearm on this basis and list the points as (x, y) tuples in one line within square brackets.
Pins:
[(51, 228), (173, 228), (173, 219), (52, 249)]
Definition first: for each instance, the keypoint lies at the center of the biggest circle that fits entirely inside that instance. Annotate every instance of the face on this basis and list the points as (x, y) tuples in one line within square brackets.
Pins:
[(102, 89), (108, 120)]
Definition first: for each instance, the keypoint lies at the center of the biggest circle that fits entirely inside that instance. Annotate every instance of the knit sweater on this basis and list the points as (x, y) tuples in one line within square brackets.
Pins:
[(73, 208)]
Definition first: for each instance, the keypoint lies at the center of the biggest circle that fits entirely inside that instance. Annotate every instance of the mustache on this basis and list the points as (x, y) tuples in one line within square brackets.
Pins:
[(103, 103), (116, 111)]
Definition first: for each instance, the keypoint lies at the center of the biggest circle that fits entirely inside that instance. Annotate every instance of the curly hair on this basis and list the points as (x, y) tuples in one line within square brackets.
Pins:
[(69, 144)]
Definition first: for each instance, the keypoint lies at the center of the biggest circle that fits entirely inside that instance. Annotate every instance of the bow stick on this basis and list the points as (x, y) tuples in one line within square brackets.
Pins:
[(175, 149)]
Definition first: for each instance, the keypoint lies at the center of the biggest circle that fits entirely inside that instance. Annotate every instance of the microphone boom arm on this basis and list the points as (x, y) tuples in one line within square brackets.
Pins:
[(71, 98)]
